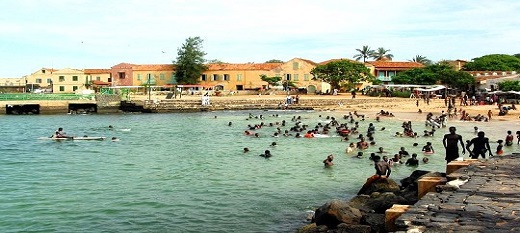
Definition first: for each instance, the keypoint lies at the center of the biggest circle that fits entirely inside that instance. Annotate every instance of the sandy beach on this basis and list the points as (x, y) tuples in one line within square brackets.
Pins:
[(397, 105)]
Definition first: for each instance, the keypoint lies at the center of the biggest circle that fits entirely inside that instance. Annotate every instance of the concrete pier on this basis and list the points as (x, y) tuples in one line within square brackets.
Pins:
[(488, 202)]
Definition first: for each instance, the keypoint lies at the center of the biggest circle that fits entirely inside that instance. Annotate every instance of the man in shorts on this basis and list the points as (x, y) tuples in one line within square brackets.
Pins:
[(450, 142)]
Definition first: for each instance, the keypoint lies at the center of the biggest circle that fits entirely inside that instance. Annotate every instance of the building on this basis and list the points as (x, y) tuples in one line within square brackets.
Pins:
[(385, 69), (489, 79)]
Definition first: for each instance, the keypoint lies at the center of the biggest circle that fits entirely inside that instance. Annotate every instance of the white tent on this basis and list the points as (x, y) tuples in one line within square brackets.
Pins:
[(436, 88)]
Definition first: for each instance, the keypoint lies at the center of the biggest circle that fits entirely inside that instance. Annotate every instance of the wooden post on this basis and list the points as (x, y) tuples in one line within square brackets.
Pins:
[(392, 214)]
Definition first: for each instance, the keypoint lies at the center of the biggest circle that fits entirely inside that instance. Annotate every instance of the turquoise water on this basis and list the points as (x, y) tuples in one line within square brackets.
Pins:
[(186, 172)]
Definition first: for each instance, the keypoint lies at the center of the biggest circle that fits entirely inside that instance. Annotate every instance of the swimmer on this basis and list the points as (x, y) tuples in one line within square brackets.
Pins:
[(273, 144), (114, 139), (328, 161), (359, 155), (413, 161), (415, 144), (266, 154), (246, 149), (230, 123), (351, 148), (425, 160)]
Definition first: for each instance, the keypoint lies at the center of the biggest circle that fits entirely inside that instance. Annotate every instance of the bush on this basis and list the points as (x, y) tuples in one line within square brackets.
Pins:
[(401, 94)]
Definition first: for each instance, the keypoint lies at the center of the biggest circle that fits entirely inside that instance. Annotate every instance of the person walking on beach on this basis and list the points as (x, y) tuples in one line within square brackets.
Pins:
[(480, 146), (450, 142)]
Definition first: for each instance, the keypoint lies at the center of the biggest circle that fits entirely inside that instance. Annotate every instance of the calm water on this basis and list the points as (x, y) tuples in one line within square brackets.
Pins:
[(185, 172)]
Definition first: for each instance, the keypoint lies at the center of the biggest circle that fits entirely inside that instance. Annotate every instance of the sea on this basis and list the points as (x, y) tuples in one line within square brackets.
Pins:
[(187, 172)]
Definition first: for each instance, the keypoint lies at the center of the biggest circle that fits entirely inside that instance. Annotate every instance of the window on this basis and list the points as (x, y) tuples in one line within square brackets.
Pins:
[(239, 77), (306, 77), (62, 88), (49, 80), (139, 77), (161, 76), (74, 88), (38, 80), (121, 75), (226, 77), (295, 65), (110, 79), (288, 77), (296, 77), (62, 78), (75, 78), (381, 74), (98, 78), (391, 73), (203, 77), (214, 77)]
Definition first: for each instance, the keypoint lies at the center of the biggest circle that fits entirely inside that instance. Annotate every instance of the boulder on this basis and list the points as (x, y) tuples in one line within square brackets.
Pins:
[(416, 175), (359, 202), (385, 201), (335, 212), (341, 228), (375, 221), (381, 185)]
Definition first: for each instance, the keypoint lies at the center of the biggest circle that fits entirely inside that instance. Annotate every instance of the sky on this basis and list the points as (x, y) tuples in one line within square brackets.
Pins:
[(98, 34)]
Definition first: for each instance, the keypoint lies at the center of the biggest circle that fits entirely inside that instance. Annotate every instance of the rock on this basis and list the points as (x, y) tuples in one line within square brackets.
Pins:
[(375, 221), (381, 185), (335, 212), (384, 202), (359, 202), (347, 228), (412, 179)]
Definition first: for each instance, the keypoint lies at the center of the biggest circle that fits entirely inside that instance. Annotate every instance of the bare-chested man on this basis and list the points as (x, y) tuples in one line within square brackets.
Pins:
[(450, 142)]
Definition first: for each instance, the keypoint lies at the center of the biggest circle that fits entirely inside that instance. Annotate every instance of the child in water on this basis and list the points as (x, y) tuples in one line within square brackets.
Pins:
[(499, 147), (428, 148)]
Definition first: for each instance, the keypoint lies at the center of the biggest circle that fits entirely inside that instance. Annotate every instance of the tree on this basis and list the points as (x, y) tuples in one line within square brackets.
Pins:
[(274, 61), (509, 85), (421, 59), (190, 61), (215, 61), (435, 74), (270, 80), (381, 53), (343, 71), (493, 62), (364, 53)]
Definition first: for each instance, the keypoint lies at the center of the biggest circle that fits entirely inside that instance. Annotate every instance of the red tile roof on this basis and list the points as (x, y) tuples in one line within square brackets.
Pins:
[(245, 66), (97, 71), (396, 65), (153, 67), (100, 83)]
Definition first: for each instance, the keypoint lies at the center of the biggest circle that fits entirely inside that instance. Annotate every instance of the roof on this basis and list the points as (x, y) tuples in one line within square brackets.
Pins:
[(338, 59), (97, 71), (153, 67), (396, 65), (100, 83), (244, 66)]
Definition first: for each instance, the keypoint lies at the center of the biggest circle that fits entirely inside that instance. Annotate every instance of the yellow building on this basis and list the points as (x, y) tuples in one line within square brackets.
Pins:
[(40, 79), (65, 80)]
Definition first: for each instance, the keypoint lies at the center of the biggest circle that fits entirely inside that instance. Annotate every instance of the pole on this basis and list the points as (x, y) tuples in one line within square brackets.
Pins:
[(149, 89)]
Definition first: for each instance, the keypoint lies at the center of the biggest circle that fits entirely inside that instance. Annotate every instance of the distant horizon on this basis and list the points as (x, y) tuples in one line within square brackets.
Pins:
[(97, 35)]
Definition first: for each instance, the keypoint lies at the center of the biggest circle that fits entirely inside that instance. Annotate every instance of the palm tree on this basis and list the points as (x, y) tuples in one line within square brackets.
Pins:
[(381, 53), (364, 53), (421, 59)]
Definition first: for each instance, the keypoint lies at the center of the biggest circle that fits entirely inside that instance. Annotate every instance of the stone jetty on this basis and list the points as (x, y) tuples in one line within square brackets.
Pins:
[(477, 196), (488, 202)]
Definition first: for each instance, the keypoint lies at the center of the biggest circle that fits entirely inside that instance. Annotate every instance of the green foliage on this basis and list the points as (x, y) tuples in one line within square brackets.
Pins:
[(435, 74), (190, 61), (381, 53), (342, 71), (401, 94), (421, 59), (364, 53), (274, 61), (494, 62), (509, 85), (270, 80), (215, 61)]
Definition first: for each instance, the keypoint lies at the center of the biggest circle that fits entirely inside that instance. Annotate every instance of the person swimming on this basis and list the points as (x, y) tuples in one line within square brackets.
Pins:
[(246, 149), (266, 154), (328, 161)]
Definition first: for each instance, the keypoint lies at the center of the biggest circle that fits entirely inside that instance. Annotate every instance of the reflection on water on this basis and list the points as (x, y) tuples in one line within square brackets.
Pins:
[(187, 172)]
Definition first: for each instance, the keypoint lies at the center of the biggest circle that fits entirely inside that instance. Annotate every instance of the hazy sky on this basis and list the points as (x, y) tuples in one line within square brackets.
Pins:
[(102, 33)]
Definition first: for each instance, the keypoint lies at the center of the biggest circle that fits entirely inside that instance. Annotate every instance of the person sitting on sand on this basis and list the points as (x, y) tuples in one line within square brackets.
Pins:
[(328, 161)]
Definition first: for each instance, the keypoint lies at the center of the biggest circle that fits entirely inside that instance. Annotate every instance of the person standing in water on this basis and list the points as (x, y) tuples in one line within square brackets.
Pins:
[(450, 142), (480, 146)]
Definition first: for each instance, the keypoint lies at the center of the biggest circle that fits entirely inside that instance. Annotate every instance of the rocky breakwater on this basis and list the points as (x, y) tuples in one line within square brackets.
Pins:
[(366, 211)]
